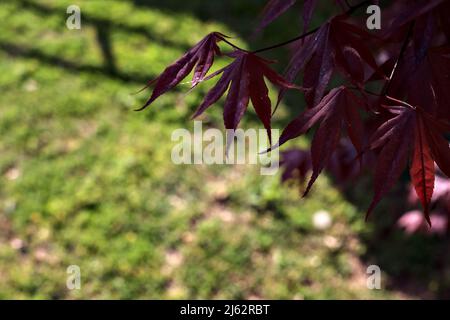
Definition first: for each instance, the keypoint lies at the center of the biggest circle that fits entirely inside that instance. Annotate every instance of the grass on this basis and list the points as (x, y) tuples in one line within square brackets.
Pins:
[(85, 181)]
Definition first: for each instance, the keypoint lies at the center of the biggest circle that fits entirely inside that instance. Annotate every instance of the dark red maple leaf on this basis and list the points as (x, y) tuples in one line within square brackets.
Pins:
[(338, 108), (336, 46), (428, 84), (416, 134), (245, 79), (201, 56), (423, 78)]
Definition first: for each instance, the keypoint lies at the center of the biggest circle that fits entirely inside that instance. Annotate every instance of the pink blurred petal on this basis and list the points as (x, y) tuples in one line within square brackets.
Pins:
[(414, 221), (411, 221), (441, 188), (438, 224)]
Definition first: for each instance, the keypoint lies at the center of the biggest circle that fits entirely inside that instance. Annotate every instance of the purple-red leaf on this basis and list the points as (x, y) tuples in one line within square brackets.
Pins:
[(422, 167), (245, 79), (201, 56), (396, 141), (416, 134), (337, 45), (338, 108)]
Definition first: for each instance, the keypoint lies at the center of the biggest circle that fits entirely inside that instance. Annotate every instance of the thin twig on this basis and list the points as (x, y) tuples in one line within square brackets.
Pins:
[(350, 11), (400, 56), (286, 42)]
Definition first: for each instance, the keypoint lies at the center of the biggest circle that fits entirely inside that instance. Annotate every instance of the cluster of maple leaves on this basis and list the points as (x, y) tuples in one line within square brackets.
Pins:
[(404, 120)]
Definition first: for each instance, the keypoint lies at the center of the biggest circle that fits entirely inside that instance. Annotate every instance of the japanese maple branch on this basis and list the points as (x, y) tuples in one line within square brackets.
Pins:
[(302, 36), (350, 11)]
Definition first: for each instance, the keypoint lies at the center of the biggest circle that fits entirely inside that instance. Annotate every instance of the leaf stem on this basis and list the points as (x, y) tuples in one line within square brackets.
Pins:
[(233, 45)]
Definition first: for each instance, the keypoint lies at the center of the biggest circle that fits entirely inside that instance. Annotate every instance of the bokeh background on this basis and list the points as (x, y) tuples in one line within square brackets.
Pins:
[(86, 181)]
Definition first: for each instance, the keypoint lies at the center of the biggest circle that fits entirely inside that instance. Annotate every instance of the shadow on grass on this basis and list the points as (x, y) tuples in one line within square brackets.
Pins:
[(103, 28), (97, 22), (71, 66)]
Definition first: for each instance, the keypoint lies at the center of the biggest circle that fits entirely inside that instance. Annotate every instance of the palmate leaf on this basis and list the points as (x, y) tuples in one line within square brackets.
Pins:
[(337, 109), (201, 56), (428, 85), (336, 46), (245, 79), (423, 78), (411, 133)]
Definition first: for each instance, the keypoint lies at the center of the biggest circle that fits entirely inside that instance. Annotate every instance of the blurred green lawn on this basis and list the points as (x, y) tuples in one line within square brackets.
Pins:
[(86, 181)]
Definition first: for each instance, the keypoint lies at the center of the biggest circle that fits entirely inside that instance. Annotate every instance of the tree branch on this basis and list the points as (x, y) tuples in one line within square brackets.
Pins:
[(286, 42), (350, 11)]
